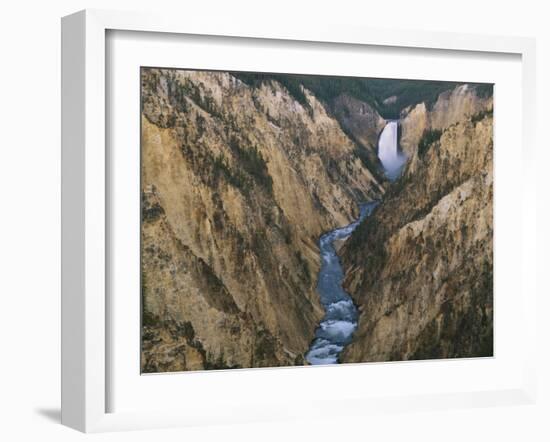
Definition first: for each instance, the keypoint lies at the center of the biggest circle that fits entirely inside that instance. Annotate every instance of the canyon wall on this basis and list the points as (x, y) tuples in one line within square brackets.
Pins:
[(238, 183), (421, 267), (451, 107), (363, 124)]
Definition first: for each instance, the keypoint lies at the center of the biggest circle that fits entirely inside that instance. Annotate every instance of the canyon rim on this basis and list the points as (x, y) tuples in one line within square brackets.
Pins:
[(291, 220)]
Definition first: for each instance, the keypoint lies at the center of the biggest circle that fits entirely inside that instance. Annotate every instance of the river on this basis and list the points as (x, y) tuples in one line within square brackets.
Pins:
[(336, 328), (340, 321)]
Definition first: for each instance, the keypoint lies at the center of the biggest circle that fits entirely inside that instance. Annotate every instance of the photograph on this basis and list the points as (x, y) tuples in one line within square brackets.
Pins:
[(298, 220), (258, 222)]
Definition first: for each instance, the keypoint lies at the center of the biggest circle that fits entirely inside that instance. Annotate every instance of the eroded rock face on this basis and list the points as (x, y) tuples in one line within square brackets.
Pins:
[(421, 267), (359, 118), (451, 107), (237, 185), (364, 125)]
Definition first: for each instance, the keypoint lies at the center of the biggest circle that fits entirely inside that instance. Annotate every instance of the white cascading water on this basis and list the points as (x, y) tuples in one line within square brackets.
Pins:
[(336, 329), (388, 151)]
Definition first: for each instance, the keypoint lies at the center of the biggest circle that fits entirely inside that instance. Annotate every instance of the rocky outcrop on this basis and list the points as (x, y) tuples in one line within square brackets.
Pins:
[(420, 268), (359, 119), (363, 124), (238, 183), (451, 107)]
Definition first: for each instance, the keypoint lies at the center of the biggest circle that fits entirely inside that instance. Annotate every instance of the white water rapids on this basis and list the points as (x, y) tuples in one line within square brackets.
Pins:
[(340, 321), (388, 151)]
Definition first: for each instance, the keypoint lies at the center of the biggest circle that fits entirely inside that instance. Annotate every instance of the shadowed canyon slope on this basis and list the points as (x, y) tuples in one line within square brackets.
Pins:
[(238, 183), (421, 267)]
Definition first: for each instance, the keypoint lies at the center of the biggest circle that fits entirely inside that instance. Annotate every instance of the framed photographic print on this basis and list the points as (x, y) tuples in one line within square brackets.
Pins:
[(270, 221)]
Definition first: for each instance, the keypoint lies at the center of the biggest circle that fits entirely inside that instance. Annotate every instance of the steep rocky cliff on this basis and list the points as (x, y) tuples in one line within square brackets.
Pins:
[(359, 118), (450, 107), (420, 268), (363, 124), (238, 182)]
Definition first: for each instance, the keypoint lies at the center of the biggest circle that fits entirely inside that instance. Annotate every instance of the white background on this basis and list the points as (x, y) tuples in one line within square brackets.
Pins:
[(30, 232)]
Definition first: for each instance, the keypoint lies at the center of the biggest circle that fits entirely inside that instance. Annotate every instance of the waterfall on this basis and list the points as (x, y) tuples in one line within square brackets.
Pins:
[(388, 151)]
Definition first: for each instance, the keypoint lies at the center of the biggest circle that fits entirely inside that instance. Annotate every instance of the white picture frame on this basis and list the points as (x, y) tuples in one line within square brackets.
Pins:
[(85, 199)]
